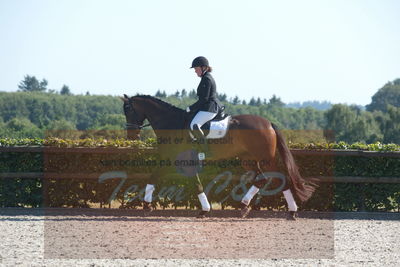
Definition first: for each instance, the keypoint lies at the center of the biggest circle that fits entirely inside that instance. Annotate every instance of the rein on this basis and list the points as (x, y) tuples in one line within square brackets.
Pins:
[(134, 126)]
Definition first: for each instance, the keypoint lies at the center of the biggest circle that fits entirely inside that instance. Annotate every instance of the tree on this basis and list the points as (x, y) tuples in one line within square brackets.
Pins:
[(117, 120), (350, 124), (183, 93), (392, 126), (61, 125), (223, 97), (236, 100), (192, 94), (389, 94), (31, 84), (160, 94), (339, 119), (27, 115), (65, 90), (276, 101), (252, 102), (258, 102), (397, 81), (47, 111), (23, 127)]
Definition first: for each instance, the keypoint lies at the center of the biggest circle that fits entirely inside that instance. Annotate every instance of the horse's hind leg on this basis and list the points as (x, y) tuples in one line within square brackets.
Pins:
[(258, 169), (287, 193), (267, 166), (291, 204)]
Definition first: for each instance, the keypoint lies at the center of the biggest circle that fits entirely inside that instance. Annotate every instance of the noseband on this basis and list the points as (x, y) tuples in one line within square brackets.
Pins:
[(134, 126)]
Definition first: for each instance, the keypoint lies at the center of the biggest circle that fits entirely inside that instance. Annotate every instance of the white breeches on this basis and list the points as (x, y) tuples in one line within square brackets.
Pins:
[(201, 118)]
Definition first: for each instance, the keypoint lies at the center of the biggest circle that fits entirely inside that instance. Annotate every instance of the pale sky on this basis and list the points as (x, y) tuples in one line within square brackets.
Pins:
[(340, 51)]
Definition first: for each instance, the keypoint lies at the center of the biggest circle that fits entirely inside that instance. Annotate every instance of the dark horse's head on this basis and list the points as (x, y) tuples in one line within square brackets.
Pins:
[(161, 115), (134, 119)]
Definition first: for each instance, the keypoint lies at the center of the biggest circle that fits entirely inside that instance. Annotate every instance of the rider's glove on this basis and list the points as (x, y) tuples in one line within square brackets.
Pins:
[(187, 109)]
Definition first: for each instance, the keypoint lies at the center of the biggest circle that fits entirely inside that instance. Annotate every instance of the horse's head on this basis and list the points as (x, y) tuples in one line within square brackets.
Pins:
[(134, 118)]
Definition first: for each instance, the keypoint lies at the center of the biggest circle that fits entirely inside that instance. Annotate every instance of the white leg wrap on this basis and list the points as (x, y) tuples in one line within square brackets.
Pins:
[(148, 197), (250, 194), (290, 200), (204, 202)]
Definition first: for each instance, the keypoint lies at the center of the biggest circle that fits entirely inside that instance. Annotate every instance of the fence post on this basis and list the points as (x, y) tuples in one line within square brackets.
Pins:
[(361, 199)]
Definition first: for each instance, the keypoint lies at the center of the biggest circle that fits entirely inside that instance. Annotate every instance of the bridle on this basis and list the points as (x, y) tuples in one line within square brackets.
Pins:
[(130, 125)]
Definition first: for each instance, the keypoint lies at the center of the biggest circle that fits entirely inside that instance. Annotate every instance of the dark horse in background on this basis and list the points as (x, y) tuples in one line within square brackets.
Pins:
[(254, 139)]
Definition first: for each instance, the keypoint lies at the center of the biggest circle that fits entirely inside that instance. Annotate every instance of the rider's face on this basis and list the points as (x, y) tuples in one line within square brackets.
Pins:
[(198, 71)]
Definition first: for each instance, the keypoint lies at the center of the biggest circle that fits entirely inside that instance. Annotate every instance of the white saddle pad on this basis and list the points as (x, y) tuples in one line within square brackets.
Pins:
[(218, 129)]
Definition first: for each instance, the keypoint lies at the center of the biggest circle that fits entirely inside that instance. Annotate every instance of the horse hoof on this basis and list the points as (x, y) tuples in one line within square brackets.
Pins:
[(147, 207), (245, 210), (202, 214), (292, 216)]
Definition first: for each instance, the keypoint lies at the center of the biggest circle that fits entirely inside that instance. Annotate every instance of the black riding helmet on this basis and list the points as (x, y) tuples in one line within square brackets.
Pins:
[(199, 62)]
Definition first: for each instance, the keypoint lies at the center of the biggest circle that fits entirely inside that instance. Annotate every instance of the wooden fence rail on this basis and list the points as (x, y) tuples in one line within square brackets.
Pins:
[(325, 152), (112, 150), (324, 179)]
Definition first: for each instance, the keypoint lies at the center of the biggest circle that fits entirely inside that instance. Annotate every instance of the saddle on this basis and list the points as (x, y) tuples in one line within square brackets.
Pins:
[(217, 127)]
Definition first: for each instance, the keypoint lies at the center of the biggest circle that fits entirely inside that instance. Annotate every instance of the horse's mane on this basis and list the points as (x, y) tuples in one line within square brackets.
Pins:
[(168, 105)]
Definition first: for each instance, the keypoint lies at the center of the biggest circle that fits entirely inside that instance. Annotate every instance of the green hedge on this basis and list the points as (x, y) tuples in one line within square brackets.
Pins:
[(178, 191)]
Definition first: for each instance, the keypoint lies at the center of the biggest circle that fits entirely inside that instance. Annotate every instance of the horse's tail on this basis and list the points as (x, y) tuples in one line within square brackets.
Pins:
[(296, 182)]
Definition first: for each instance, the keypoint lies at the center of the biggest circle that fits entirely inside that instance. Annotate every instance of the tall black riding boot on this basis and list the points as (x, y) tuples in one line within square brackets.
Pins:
[(202, 143)]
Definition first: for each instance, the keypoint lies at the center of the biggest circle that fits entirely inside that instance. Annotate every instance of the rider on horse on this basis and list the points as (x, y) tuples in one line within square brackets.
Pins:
[(265, 142), (208, 105)]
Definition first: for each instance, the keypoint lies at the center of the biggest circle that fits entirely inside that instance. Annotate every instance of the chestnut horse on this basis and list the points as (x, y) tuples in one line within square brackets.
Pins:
[(251, 138)]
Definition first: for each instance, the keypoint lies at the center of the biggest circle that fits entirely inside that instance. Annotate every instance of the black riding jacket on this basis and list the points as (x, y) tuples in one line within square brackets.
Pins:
[(207, 93)]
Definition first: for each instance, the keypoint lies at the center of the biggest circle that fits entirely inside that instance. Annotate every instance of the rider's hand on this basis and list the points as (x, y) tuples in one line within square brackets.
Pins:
[(187, 109)]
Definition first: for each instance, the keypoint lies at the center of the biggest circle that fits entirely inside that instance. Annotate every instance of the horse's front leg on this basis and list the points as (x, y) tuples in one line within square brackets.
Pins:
[(148, 205), (148, 198), (163, 171), (205, 205)]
